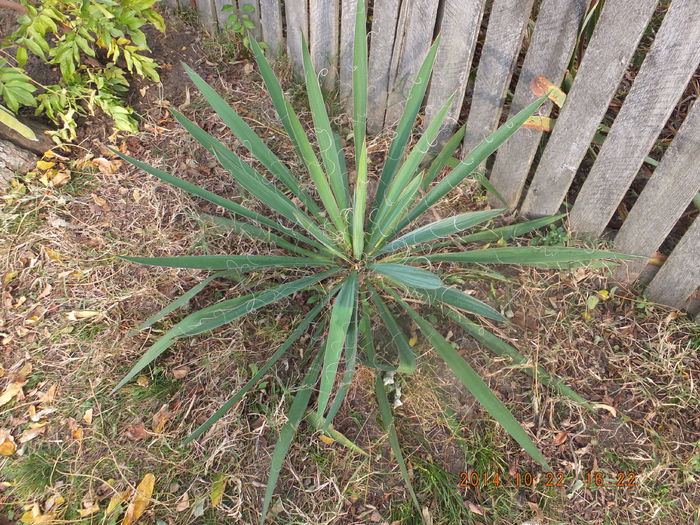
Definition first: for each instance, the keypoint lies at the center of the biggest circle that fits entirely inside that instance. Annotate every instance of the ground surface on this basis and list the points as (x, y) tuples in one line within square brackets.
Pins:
[(68, 303)]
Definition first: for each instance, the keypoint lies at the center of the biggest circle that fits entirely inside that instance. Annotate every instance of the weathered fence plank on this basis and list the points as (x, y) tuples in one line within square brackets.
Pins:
[(622, 22), (664, 199), (666, 70), (679, 276), (459, 28), (324, 22), (348, 9), (207, 14), (297, 16), (548, 54), (414, 33), (504, 36), (382, 37), (271, 25)]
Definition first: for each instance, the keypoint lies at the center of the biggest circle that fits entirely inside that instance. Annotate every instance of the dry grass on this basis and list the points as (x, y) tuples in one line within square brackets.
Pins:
[(58, 256)]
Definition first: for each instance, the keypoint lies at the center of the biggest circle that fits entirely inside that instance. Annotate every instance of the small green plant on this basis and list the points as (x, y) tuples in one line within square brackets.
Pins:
[(358, 259), (239, 23), (556, 236), (94, 43)]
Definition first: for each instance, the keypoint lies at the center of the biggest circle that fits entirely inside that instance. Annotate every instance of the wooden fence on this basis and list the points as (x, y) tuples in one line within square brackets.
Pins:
[(523, 39)]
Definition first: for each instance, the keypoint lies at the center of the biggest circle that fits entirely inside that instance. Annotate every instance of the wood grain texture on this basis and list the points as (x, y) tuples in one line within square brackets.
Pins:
[(661, 80), (297, 17), (207, 14), (459, 28), (504, 35), (664, 199), (414, 34), (324, 28), (622, 23), (679, 276), (348, 10), (271, 24), (253, 15), (382, 37), (548, 54)]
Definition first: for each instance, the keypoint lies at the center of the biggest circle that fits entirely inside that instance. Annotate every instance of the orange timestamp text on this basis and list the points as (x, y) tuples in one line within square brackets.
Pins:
[(546, 479)]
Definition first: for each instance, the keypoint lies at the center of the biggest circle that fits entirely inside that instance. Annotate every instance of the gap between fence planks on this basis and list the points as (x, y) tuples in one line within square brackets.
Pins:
[(679, 276), (622, 22), (271, 25), (382, 38), (324, 22), (664, 199), (459, 28), (414, 35), (664, 74), (552, 43), (504, 35)]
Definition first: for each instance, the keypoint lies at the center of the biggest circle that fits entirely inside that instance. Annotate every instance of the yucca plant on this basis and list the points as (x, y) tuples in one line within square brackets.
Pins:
[(361, 258)]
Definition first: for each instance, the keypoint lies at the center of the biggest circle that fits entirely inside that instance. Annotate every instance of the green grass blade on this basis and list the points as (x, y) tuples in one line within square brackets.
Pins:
[(407, 360), (408, 118), (251, 141), (438, 229), (408, 168), (359, 78), (360, 204), (407, 275), (330, 154), (442, 158), (256, 184), (499, 347), (242, 263), (177, 303), (366, 341), (293, 338), (289, 430), (458, 299), (390, 428), (217, 315), (231, 206), (257, 233), (296, 132), (341, 315), (348, 373), (542, 256), (471, 380), (475, 158)]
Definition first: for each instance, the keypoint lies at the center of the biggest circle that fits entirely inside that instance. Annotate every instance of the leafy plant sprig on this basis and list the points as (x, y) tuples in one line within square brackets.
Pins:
[(88, 41), (360, 257)]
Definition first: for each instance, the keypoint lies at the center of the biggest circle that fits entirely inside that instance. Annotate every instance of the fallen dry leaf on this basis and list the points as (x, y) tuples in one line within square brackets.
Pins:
[(606, 407), (34, 430), (87, 417), (54, 501), (49, 395), (89, 508), (476, 509), (34, 516), (142, 381), (179, 373), (160, 419), (137, 432), (13, 390), (81, 314), (560, 438), (7, 443), (217, 489), (116, 500), (184, 503), (36, 416), (142, 497)]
